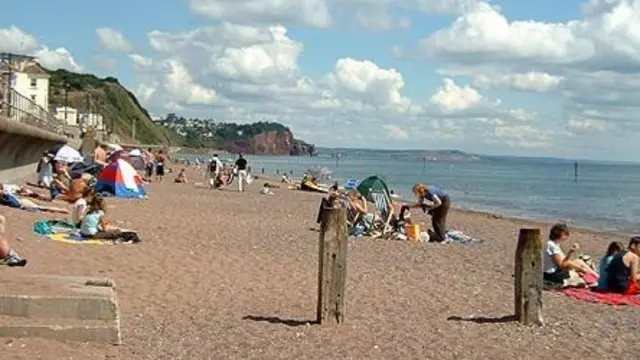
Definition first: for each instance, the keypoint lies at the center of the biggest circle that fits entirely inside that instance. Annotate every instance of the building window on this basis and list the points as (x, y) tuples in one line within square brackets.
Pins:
[(34, 82), (33, 97)]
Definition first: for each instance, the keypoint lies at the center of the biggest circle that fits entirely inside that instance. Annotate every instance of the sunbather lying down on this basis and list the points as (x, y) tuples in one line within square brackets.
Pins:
[(26, 204), (22, 191)]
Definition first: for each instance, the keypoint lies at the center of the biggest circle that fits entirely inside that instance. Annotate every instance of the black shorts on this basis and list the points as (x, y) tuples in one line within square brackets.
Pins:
[(160, 170), (556, 277), (149, 170)]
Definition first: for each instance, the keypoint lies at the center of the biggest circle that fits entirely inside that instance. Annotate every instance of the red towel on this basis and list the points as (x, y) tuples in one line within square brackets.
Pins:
[(601, 298)]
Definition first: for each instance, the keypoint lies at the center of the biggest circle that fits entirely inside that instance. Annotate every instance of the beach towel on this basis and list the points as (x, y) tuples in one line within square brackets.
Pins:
[(588, 295), (75, 238)]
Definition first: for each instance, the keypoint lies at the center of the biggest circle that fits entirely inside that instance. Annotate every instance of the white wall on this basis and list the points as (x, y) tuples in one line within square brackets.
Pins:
[(38, 93), (72, 115)]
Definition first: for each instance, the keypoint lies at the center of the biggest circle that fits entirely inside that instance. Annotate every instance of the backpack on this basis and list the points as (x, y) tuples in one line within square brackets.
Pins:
[(213, 166)]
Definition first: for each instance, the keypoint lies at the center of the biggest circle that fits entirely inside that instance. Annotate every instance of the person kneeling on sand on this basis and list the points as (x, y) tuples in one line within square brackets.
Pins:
[(624, 270), (182, 177), (561, 269), (8, 256)]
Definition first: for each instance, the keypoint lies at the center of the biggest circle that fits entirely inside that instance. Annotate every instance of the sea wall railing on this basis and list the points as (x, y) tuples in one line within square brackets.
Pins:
[(18, 107)]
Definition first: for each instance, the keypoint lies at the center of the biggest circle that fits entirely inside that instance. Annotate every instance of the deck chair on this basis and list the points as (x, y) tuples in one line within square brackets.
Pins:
[(384, 211)]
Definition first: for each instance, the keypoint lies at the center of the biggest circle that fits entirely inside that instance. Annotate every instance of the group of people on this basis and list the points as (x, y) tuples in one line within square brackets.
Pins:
[(221, 176), (431, 199), (618, 271)]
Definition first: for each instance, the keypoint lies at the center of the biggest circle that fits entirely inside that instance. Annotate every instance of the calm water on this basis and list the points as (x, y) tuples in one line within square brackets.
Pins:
[(606, 197)]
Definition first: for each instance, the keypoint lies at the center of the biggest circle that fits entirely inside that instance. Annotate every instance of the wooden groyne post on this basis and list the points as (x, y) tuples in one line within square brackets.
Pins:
[(528, 278), (332, 265)]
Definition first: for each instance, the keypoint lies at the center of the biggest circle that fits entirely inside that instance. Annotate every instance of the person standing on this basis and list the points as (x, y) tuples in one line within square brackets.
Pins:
[(439, 206), (215, 166), (160, 163), (241, 168)]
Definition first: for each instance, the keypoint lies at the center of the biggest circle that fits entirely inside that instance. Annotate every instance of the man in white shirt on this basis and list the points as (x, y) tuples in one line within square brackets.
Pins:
[(215, 165)]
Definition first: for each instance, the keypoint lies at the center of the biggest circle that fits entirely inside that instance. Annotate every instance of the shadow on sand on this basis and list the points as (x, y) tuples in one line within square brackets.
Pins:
[(279, 320), (484, 320)]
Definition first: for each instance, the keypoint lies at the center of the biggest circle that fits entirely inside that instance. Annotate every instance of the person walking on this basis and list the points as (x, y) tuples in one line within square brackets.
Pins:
[(215, 166), (241, 168), (439, 206)]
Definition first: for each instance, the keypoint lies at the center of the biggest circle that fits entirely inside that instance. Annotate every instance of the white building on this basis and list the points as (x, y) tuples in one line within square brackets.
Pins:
[(91, 119), (67, 115), (30, 80)]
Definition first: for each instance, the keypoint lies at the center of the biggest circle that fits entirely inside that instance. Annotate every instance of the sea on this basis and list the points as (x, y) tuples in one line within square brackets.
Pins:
[(605, 197)]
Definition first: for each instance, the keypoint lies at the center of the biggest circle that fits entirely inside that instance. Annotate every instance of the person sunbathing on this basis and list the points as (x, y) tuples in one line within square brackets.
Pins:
[(182, 177), (94, 224), (60, 183), (357, 212), (560, 269), (13, 201), (8, 256), (22, 191), (624, 270)]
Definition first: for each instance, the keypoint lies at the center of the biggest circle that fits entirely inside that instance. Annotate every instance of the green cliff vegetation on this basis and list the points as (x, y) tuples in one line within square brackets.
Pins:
[(119, 107)]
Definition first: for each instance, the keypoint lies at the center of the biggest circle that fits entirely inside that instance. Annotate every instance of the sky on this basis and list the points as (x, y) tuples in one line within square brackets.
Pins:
[(534, 78)]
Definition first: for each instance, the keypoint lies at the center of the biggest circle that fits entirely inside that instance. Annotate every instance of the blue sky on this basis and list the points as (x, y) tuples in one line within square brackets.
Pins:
[(502, 77)]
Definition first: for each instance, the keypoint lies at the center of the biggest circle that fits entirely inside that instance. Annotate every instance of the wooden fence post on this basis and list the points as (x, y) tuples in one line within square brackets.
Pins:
[(528, 278), (332, 267)]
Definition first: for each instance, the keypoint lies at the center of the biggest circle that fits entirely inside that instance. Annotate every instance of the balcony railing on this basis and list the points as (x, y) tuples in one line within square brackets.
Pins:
[(19, 108)]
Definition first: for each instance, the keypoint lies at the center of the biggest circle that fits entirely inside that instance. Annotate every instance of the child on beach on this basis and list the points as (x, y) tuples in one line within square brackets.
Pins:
[(182, 177), (624, 270), (613, 249), (94, 225), (266, 189), (80, 207), (561, 269), (8, 256)]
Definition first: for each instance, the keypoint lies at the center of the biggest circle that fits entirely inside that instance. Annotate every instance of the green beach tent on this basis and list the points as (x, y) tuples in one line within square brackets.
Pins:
[(372, 184)]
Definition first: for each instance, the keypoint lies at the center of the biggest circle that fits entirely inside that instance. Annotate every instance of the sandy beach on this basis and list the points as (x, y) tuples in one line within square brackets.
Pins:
[(228, 275)]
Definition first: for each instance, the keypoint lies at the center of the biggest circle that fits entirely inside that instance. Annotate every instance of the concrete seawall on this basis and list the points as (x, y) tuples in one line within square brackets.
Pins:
[(21, 146)]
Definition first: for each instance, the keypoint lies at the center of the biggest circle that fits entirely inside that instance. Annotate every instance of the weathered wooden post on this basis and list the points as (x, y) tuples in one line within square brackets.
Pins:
[(332, 267), (528, 278)]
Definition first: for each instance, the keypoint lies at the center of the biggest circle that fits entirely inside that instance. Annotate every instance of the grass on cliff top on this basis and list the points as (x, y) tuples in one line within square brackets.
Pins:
[(118, 106)]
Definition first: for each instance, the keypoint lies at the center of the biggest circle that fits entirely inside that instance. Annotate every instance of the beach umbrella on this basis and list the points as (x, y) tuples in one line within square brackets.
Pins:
[(135, 152), (372, 184), (68, 154), (351, 184)]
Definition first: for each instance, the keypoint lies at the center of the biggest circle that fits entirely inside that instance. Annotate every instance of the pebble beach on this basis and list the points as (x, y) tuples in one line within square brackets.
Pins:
[(228, 275)]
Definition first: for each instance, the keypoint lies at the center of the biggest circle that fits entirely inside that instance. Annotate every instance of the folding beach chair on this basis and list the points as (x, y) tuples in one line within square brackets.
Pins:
[(384, 210)]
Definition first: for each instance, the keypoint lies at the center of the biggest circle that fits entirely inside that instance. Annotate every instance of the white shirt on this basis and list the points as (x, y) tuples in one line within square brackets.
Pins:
[(79, 206), (552, 249), (10, 189)]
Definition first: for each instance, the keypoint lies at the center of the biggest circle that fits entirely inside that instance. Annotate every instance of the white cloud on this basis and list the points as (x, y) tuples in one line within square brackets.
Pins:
[(141, 61), (307, 12), (364, 81), (451, 97), (113, 40), (531, 81), (14, 40)]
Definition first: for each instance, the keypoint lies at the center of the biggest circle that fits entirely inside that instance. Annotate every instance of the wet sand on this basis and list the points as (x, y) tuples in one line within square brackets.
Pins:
[(228, 275)]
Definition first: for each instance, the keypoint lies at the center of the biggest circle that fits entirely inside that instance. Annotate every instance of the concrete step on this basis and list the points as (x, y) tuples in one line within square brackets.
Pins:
[(61, 329), (59, 307)]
